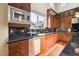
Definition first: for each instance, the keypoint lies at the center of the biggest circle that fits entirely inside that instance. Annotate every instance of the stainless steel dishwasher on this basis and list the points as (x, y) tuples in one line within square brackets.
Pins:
[(34, 46)]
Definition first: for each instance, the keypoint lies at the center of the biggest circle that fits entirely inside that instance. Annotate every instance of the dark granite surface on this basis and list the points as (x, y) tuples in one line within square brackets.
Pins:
[(24, 37)]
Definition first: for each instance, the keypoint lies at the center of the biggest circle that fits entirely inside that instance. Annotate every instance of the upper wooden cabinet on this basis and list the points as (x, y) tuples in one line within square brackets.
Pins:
[(60, 20), (66, 22), (52, 19), (23, 6), (63, 22), (53, 22), (70, 12), (51, 12)]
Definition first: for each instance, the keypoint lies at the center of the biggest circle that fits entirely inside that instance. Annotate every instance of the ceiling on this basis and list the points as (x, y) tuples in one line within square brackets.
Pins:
[(58, 7)]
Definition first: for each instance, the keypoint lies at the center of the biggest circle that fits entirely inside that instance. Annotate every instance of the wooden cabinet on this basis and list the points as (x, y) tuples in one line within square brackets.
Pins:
[(69, 22), (66, 22), (49, 21), (54, 38), (23, 6), (51, 12), (43, 43), (18, 25), (19, 48), (47, 41), (64, 37), (61, 37), (53, 22), (61, 22), (51, 39)]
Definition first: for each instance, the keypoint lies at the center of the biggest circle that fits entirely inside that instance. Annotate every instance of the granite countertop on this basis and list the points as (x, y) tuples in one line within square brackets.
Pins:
[(29, 37)]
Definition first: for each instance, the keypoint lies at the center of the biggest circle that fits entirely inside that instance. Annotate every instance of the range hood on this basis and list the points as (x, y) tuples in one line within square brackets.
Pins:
[(75, 25), (75, 20)]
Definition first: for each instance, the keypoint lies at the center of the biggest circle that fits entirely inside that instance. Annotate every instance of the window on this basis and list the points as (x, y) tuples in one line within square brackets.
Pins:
[(33, 18), (40, 21), (41, 18), (37, 19)]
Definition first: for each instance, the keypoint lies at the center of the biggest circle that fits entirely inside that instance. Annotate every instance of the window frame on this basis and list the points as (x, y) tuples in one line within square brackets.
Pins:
[(38, 14)]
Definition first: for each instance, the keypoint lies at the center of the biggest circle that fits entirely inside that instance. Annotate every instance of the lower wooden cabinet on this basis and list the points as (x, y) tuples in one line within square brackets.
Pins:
[(52, 39), (47, 41), (19, 48), (65, 37), (43, 43)]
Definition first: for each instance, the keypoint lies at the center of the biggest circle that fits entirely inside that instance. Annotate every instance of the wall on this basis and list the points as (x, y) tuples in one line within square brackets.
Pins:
[(41, 8), (3, 29), (66, 7)]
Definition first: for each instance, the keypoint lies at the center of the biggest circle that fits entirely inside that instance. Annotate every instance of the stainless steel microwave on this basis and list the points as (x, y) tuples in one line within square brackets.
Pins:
[(17, 15)]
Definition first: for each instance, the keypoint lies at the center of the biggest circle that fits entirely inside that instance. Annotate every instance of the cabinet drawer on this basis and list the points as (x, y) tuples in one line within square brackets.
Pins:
[(24, 42), (23, 52), (22, 47)]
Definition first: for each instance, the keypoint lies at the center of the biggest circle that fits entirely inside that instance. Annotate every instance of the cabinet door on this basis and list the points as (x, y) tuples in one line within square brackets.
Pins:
[(23, 6), (51, 39), (66, 22), (48, 41), (54, 38), (58, 22), (43, 43), (22, 48), (55, 22), (49, 19), (12, 49), (19, 48), (63, 22)]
